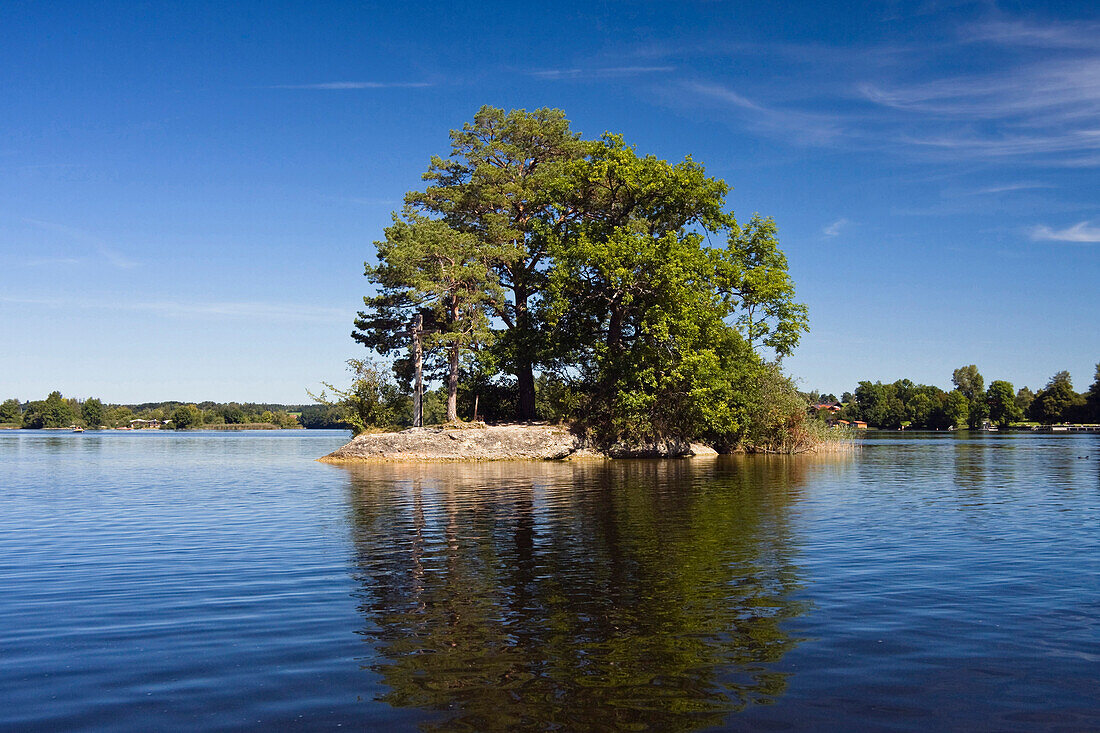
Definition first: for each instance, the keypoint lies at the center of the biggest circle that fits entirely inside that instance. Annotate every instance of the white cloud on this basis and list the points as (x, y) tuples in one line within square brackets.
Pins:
[(833, 229), (600, 72), (806, 126), (1008, 187), (1082, 232), (356, 85), (251, 310)]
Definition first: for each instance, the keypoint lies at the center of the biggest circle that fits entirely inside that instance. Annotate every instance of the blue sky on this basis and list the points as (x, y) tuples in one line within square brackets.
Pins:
[(188, 190)]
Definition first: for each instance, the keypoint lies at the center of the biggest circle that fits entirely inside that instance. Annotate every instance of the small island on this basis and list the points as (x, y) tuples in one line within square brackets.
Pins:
[(480, 442)]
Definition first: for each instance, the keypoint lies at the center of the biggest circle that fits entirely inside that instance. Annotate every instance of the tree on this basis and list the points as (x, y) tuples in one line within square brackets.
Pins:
[(186, 416), (1001, 402), (53, 412), (11, 411), (445, 275), (1092, 397), (118, 416), (530, 190), (1052, 401), (93, 412), (968, 380), (504, 183), (372, 400), (641, 324), (1024, 398), (957, 408), (758, 281)]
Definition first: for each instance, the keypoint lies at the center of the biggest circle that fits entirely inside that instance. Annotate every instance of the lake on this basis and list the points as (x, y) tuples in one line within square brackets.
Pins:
[(154, 580)]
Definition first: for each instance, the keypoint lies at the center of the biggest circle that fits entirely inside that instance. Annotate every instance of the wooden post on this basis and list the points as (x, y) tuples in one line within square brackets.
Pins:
[(418, 360)]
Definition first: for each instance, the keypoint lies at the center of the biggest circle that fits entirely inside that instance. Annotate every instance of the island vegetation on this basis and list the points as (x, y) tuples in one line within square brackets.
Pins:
[(578, 281)]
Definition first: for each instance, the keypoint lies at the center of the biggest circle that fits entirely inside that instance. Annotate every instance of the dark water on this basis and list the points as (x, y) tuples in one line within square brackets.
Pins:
[(226, 581)]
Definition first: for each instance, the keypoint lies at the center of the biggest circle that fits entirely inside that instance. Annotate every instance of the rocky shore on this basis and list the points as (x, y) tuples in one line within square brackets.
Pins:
[(479, 442)]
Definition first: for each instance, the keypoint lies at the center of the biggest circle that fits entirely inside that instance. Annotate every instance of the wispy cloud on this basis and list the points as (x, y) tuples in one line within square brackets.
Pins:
[(86, 240), (1082, 232), (340, 85), (600, 72), (1007, 88), (808, 127), (1039, 104), (1009, 187), (115, 258), (1038, 35), (218, 310), (833, 229)]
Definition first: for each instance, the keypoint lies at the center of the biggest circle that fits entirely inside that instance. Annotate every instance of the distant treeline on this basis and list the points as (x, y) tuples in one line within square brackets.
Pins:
[(57, 411), (970, 404)]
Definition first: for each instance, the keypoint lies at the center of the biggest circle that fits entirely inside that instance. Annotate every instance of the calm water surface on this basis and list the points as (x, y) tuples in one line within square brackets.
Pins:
[(224, 581)]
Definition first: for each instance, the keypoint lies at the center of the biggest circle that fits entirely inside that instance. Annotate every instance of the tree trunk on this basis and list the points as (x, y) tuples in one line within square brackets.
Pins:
[(525, 374), (452, 386), (525, 379), (418, 362)]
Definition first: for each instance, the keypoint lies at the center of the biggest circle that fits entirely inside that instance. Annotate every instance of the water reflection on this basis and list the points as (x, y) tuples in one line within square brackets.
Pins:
[(631, 595)]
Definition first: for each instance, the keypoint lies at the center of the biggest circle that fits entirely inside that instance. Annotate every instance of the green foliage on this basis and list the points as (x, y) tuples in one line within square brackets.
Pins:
[(590, 263), (93, 412), (372, 400), (1001, 401), (1092, 398), (640, 317), (443, 274), (1024, 398), (775, 419), (957, 409), (506, 183), (11, 411), (186, 417), (53, 412), (756, 279), (1051, 402), (969, 381)]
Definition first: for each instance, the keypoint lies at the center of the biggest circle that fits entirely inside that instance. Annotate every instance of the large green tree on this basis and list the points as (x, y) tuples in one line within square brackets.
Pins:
[(53, 412), (957, 408), (646, 337), (93, 412), (11, 411), (427, 267), (505, 183), (1052, 401), (1001, 403), (590, 263), (969, 381), (531, 191)]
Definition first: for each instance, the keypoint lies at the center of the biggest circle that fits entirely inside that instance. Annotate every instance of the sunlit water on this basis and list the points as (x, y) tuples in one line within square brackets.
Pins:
[(223, 581)]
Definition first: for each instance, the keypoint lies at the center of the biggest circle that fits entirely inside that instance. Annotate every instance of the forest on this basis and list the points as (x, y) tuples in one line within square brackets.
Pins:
[(57, 411), (903, 404)]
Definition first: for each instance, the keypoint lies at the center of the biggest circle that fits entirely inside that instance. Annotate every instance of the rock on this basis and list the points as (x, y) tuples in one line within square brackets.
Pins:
[(662, 449), (462, 442), (701, 449)]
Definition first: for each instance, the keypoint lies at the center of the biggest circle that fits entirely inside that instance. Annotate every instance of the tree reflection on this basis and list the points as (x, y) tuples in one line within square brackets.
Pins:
[(630, 595)]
